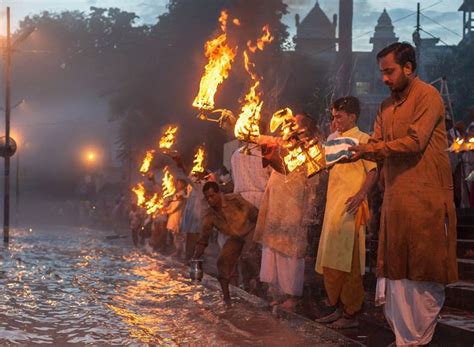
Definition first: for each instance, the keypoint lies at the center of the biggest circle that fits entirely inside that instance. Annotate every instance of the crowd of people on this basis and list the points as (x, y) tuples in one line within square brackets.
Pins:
[(267, 220)]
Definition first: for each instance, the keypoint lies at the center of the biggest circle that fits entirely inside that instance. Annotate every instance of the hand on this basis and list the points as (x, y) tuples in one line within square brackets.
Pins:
[(359, 150), (198, 251), (354, 202)]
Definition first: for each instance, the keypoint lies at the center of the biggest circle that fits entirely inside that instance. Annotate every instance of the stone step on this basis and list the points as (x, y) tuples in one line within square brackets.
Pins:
[(466, 269), (465, 231), (465, 249), (460, 295), (465, 216), (455, 327)]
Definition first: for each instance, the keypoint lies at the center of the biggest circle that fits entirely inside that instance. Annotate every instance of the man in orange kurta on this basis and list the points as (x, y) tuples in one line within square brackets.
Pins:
[(417, 240)]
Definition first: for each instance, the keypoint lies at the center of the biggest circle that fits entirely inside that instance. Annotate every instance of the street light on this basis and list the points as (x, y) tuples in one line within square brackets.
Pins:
[(8, 50)]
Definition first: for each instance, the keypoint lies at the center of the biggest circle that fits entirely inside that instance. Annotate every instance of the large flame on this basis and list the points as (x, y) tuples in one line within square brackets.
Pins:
[(300, 151), (247, 125), (147, 162), (462, 144), (168, 139), (139, 191), (220, 58), (198, 161), (167, 184)]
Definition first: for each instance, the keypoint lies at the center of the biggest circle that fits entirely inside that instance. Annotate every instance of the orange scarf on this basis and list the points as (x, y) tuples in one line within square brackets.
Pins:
[(362, 216)]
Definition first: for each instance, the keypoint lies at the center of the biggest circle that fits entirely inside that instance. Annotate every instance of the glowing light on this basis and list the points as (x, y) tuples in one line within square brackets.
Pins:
[(168, 139), (247, 126), (220, 59), (147, 162), (198, 161)]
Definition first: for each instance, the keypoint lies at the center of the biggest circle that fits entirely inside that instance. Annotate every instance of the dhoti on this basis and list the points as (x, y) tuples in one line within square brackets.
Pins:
[(411, 308)]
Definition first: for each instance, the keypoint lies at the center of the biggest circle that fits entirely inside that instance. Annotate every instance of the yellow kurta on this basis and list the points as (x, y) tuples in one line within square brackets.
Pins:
[(337, 237)]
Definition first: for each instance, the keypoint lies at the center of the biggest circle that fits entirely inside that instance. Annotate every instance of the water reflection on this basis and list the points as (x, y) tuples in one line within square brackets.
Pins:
[(77, 286)]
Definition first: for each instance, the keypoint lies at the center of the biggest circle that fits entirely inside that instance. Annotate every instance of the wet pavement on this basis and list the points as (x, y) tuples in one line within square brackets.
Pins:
[(64, 286)]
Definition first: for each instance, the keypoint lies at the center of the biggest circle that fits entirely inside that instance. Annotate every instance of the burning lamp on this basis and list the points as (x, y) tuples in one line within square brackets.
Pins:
[(462, 145), (301, 150)]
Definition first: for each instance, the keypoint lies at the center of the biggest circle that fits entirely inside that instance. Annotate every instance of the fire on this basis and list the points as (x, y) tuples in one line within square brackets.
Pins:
[(169, 138), (147, 162), (262, 41), (155, 204), (300, 151), (220, 58), (247, 125), (198, 161), (167, 184), (139, 191), (462, 145)]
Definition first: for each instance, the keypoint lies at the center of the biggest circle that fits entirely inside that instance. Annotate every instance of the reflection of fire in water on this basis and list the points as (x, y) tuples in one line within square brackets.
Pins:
[(167, 184), (462, 145), (247, 125), (198, 162), (139, 191), (169, 138), (147, 162), (220, 58), (158, 288), (301, 151)]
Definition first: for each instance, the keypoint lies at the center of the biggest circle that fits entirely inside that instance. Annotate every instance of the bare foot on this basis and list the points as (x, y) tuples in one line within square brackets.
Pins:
[(344, 323), (330, 318), (289, 304)]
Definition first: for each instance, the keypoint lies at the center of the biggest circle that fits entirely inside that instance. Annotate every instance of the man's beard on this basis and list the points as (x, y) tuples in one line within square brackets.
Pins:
[(401, 85)]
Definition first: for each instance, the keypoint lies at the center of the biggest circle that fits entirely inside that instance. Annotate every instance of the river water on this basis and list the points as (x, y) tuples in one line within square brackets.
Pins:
[(65, 286)]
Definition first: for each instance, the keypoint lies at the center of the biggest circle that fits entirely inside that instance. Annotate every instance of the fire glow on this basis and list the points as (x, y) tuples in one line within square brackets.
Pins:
[(220, 58), (462, 145), (139, 191), (167, 184), (147, 162), (198, 162), (247, 125), (300, 151), (168, 139), (153, 205)]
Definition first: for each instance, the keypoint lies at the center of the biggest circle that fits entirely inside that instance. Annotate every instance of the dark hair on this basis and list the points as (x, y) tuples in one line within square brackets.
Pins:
[(211, 185), (309, 123), (349, 104), (403, 52)]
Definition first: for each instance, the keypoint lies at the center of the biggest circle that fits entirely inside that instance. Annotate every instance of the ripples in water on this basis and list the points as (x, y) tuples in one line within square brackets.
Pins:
[(80, 286)]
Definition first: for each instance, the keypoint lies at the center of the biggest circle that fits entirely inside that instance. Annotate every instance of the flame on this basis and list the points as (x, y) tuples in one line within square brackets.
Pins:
[(198, 161), (167, 184), (147, 162), (261, 41), (155, 204), (168, 139), (139, 191), (220, 58), (300, 151), (462, 144), (247, 125)]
